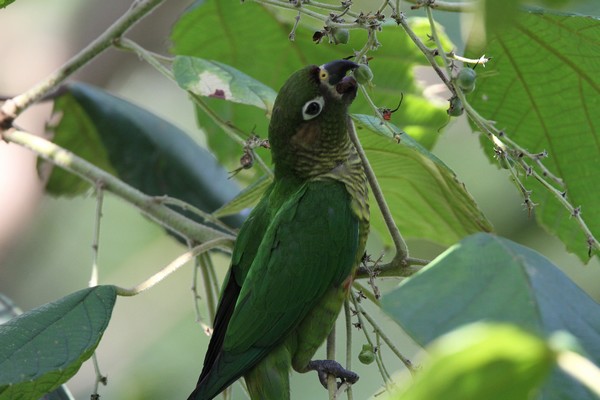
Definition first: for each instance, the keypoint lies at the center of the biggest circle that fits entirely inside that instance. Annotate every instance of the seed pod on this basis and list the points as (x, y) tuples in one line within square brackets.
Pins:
[(366, 355), (363, 74), (466, 79)]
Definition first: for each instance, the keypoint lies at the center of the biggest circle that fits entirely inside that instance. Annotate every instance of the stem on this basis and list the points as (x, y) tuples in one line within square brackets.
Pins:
[(436, 40), (211, 300), (396, 268), (399, 243), (465, 6), (331, 381), (348, 319), (366, 292), (407, 363), (159, 213), (100, 379), (207, 217), (13, 107), (379, 354), (290, 6), (426, 52), (96, 239), (367, 337), (171, 267), (580, 368), (94, 278), (575, 212)]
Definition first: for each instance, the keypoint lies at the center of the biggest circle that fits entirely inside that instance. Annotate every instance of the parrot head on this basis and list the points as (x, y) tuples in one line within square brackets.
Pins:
[(309, 114)]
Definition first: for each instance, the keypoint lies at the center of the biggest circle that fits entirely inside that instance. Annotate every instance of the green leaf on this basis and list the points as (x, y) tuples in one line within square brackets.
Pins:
[(417, 184), (499, 15), (8, 310), (76, 132), (44, 347), (5, 3), (483, 361), (146, 152), (246, 198), (213, 79), (485, 277), (228, 33), (542, 90)]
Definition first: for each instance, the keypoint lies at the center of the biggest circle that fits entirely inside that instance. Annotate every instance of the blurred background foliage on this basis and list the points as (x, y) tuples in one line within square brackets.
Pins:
[(153, 347)]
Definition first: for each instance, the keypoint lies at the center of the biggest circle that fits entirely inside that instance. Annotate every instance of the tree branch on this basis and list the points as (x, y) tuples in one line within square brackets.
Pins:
[(172, 267), (13, 107), (148, 205)]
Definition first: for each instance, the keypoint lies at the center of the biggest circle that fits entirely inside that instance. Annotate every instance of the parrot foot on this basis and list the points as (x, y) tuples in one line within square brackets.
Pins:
[(330, 367)]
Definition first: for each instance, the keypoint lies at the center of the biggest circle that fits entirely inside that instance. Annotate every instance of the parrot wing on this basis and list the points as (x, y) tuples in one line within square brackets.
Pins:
[(308, 247)]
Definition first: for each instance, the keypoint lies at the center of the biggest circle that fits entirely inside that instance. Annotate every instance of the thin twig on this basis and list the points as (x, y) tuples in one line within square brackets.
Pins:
[(13, 107), (94, 277), (362, 327), (436, 40), (96, 237), (348, 319), (465, 6), (580, 368), (207, 217), (407, 363), (401, 20), (331, 381), (171, 267), (211, 297)]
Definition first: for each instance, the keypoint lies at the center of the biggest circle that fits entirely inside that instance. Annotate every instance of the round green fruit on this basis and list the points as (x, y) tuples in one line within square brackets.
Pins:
[(341, 36), (366, 355), (363, 74), (466, 79)]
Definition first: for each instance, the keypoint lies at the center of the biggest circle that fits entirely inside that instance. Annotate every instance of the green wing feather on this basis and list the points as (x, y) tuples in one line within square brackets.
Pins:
[(309, 245)]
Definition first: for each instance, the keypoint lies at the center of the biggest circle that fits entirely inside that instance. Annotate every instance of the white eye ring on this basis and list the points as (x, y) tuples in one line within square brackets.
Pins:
[(312, 108)]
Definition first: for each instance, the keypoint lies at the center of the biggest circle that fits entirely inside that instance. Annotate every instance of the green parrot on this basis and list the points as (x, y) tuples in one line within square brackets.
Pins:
[(295, 256)]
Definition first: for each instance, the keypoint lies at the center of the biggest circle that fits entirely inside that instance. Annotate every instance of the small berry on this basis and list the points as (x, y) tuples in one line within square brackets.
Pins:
[(363, 74), (466, 79), (366, 355), (341, 36)]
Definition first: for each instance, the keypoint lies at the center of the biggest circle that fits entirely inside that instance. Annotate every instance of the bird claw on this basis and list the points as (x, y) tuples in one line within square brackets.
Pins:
[(330, 367)]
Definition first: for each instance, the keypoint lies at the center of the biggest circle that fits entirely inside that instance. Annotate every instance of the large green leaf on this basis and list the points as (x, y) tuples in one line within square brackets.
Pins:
[(8, 310), (485, 277), (44, 347), (542, 88), (213, 79), (146, 152), (254, 39), (483, 361), (424, 195)]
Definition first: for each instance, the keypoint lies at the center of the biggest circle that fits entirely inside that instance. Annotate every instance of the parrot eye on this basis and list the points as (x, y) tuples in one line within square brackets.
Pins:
[(312, 108)]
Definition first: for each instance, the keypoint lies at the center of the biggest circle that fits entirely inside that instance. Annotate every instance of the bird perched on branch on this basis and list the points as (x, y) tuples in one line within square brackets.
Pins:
[(295, 256)]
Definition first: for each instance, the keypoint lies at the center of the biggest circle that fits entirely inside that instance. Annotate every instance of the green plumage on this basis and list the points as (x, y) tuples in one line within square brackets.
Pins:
[(296, 254)]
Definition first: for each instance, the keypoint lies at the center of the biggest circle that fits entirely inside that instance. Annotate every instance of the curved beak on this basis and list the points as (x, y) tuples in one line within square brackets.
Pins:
[(338, 69), (344, 85)]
